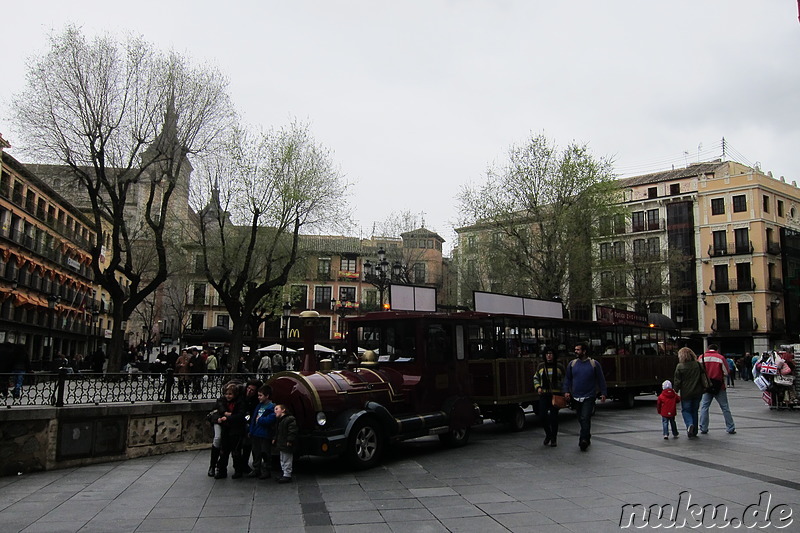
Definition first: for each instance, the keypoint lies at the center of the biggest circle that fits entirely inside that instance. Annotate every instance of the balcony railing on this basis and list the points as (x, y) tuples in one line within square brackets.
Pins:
[(733, 284), (776, 285), (730, 248), (647, 255), (773, 248), (648, 225), (349, 275), (734, 324)]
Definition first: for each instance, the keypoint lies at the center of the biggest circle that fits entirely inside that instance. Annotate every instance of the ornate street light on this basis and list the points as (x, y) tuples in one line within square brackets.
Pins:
[(378, 275), (52, 303)]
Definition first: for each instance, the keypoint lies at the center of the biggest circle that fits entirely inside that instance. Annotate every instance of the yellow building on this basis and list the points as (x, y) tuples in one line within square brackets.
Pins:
[(718, 239)]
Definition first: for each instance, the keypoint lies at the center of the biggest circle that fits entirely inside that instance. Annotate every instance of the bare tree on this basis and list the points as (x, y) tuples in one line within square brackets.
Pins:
[(124, 118), (264, 188), (540, 211)]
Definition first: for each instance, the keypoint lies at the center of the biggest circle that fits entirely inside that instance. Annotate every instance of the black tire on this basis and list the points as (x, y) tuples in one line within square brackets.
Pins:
[(365, 444), (629, 399), (517, 418), (455, 438)]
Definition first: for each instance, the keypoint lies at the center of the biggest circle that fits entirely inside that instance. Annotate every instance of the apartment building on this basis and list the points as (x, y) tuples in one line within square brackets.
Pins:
[(710, 246), (714, 246), (48, 301), (332, 277)]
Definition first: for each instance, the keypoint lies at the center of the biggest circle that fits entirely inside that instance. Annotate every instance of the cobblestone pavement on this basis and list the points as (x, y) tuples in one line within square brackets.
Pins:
[(501, 481)]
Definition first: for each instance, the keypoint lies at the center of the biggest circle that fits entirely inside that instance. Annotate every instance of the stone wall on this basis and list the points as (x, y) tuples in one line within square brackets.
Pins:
[(44, 438)]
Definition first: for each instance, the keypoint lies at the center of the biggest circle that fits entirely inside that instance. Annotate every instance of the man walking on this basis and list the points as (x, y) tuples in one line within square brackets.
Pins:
[(716, 367), (584, 381)]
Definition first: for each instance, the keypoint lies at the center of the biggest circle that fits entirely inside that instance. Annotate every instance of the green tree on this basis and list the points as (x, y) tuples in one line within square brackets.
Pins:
[(124, 118), (537, 214), (264, 188)]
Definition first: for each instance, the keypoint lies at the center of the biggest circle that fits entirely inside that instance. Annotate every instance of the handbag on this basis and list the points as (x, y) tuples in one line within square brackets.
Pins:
[(559, 401), (704, 378), (785, 369), (783, 380)]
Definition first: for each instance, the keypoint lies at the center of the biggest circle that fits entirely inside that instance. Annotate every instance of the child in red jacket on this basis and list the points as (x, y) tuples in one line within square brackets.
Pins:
[(667, 407)]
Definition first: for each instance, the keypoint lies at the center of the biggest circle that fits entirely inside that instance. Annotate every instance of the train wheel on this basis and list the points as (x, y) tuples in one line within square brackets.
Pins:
[(365, 444), (456, 438), (517, 418), (629, 399)]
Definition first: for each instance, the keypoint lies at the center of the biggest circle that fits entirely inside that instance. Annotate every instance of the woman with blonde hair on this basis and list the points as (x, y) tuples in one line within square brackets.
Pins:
[(688, 382)]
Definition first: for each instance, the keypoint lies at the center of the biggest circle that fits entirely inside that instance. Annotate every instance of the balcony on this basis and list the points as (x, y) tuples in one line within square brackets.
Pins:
[(734, 324), (732, 285), (349, 275), (649, 256), (776, 285), (730, 248), (648, 225)]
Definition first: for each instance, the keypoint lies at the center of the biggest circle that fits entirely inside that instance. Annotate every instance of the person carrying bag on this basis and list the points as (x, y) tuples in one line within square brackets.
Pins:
[(547, 382)]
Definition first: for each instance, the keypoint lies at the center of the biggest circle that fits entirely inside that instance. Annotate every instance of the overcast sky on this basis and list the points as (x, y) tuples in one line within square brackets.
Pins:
[(416, 98)]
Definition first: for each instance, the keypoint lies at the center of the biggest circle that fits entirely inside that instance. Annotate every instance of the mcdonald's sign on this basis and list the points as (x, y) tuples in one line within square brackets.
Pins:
[(294, 333)]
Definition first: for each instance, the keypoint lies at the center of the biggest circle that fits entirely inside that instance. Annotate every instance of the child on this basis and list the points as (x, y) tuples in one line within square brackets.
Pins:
[(285, 437), (232, 414), (667, 407), (261, 426)]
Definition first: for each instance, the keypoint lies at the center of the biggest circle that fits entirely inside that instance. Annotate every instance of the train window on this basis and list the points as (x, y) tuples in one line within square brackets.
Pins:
[(460, 352), (399, 342), (439, 339), (478, 343)]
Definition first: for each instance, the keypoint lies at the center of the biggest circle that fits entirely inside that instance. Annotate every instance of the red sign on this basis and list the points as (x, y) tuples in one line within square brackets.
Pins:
[(619, 316)]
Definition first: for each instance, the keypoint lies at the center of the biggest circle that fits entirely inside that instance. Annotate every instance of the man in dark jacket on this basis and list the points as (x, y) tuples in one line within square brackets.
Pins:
[(583, 382)]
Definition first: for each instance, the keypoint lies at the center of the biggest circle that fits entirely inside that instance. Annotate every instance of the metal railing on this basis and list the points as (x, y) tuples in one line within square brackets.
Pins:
[(80, 388)]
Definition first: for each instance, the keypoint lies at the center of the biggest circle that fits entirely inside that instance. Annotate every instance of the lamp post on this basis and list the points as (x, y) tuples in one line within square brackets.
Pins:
[(52, 303), (679, 322), (379, 276), (287, 312)]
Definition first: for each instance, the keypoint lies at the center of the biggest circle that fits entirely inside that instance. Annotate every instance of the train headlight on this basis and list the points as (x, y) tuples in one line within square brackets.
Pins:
[(321, 419)]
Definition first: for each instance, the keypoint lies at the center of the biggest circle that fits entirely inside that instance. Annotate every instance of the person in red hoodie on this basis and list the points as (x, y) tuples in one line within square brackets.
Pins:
[(667, 407), (716, 367)]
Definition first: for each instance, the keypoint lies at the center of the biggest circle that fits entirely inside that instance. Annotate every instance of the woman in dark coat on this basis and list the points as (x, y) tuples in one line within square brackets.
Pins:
[(688, 382), (231, 416)]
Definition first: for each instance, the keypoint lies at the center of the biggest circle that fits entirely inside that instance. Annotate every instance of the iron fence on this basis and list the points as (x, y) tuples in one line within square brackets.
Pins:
[(65, 388)]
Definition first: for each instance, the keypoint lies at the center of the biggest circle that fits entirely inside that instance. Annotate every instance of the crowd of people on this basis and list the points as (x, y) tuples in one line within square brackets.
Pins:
[(698, 382), (247, 425)]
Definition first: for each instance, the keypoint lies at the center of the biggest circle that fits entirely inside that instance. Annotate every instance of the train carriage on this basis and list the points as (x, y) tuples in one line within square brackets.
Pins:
[(441, 373)]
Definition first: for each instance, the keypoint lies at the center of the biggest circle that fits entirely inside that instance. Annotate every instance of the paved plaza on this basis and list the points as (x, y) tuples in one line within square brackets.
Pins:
[(501, 481)]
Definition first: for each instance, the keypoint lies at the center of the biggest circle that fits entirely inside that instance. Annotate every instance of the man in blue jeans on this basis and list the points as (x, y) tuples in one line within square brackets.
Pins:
[(716, 367), (584, 380)]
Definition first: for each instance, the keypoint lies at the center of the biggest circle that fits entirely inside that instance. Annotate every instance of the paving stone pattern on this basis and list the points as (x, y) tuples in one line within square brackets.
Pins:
[(501, 481)]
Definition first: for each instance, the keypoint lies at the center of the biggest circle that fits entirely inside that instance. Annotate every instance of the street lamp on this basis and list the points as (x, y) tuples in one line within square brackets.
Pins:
[(52, 303), (287, 312), (679, 322), (379, 276)]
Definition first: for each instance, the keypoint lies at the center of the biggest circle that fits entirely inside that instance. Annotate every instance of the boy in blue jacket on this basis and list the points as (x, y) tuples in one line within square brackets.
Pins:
[(262, 423)]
